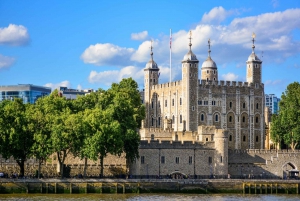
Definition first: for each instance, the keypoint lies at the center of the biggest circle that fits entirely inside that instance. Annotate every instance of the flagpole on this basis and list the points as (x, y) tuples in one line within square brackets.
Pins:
[(170, 55)]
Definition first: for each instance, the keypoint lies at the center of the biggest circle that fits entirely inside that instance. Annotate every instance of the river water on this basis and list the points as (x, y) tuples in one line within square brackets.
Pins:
[(150, 197)]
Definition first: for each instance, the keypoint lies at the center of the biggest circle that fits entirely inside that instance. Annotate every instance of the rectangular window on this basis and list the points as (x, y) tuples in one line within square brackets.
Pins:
[(162, 160), (173, 102), (210, 160), (166, 103), (193, 108), (205, 102), (177, 160), (190, 160), (142, 159), (213, 102), (199, 102), (221, 159)]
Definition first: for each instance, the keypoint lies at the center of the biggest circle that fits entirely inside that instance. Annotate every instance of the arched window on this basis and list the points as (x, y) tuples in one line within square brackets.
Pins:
[(230, 118), (256, 119), (244, 119), (256, 139), (152, 122), (230, 137), (244, 138), (180, 118), (202, 117), (206, 79), (244, 105), (256, 105), (214, 78), (173, 119), (216, 118)]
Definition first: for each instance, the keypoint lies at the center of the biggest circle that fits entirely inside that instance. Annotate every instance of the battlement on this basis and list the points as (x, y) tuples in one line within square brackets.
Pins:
[(156, 144), (167, 85), (263, 151), (222, 83)]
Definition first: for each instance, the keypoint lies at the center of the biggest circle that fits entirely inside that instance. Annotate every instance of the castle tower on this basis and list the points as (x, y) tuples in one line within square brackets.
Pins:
[(254, 66), (221, 152), (151, 74), (209, 70), (189, 89)]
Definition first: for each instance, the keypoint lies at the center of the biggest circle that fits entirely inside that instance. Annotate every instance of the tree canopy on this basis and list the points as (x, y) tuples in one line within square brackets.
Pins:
[(286, 125), (90, 127)]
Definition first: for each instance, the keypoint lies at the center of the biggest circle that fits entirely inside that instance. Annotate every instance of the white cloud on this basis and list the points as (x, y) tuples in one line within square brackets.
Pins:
[(139, 36), (6, 61), (57, 85), (106, 54), (230, 77), (215, 16), (14, 35), (108, 77), (230, 44)]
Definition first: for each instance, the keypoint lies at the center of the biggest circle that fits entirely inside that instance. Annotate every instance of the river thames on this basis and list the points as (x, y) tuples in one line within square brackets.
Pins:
[(150, 197)]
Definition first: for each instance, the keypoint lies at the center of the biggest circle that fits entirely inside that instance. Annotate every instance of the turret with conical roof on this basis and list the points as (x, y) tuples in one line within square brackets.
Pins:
[(209, 70), (190, 88), (151, 75), (254, 66)]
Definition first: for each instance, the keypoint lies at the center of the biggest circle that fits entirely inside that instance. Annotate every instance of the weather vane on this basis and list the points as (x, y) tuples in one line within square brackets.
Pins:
[(190, 39)]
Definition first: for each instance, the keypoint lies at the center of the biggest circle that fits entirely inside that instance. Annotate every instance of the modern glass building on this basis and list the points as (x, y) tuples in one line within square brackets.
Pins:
[(272, 102), (28, 92)]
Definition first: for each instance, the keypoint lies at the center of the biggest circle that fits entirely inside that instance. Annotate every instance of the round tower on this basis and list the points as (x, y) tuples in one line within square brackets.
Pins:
[(221, 152), (151, 74), (190, 89), (209, 70)]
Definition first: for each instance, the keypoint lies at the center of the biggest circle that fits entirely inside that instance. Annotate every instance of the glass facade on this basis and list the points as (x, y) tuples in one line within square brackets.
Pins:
[(29, 93), (272, 102)]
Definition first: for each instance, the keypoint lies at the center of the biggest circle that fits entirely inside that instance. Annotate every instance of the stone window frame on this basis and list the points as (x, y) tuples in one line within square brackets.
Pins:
[(158, 121), (162, 160), (244, 138), (230, 105), (173, 102), (257, 139), (166, 103), (180, 118), (180, 101), (177, 160), (202, 117), (244, 105), (230, 137), (142, 159), (216, 117), (190, 160)]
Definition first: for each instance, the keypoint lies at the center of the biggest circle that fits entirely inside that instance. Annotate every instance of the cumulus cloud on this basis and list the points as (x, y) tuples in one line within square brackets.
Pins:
[(54, 86), (230, 45), (230, 77), (139, 36), (107, 54), (215, 16), (6, 61), (108, 77), (14, 35)]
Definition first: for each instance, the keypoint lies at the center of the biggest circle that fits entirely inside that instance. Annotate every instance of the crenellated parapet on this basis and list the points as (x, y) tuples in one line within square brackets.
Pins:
[(156, 144), (166, 85), (222, 83)]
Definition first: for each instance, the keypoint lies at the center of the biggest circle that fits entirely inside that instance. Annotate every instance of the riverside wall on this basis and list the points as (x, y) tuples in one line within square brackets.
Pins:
[(77, 186)]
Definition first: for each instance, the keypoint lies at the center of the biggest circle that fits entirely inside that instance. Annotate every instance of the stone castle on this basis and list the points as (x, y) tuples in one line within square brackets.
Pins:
[(205, 127)]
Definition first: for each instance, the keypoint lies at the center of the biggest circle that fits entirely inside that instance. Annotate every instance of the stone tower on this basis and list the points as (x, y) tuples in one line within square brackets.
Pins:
[(221, 152), (209, 70), (189, 89), (254, 66), (151, 74)]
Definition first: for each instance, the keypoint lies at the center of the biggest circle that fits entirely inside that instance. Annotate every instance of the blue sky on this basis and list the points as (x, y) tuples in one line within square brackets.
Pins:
[(90, 44)]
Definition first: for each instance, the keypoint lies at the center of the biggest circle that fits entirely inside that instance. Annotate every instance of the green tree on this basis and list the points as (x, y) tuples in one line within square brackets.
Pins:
[(16, 131), (287, 124), (104, 135), (129, 112), (277, 130)]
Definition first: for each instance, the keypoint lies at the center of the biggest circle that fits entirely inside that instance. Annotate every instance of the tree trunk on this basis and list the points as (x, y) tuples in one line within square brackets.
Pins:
[(101, 166), (39, 169), (21, 165), (84, 169)]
